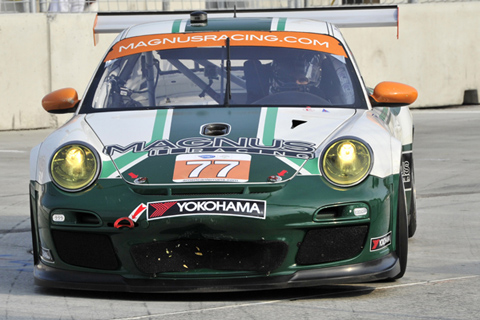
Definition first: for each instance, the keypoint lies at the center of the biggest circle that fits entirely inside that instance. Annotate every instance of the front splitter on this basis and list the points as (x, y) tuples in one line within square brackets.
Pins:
[(385, 268)]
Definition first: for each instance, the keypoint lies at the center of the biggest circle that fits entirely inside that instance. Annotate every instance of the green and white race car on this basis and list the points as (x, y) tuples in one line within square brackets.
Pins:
[(221, 154)]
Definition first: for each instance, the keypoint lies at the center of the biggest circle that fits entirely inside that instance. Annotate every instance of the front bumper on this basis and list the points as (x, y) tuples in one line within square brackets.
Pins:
[(304, 241), (386, 267)]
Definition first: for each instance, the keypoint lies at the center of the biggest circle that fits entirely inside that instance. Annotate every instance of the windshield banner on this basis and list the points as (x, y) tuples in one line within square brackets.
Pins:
[(298, 40)]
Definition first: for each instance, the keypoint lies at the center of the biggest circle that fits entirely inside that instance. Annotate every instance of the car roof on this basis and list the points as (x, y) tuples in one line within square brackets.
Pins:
[(233, 24)]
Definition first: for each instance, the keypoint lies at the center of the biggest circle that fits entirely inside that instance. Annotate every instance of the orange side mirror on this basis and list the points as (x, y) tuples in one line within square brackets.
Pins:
[(393, 94), (61, 101)]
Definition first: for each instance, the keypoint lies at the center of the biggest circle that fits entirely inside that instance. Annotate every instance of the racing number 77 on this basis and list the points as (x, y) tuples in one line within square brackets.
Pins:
[(225, 167), (203, 164)]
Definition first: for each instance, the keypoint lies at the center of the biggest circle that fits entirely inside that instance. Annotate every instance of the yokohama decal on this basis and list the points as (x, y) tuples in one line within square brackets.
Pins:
[(185, 207), (160, 209), (381, 242)]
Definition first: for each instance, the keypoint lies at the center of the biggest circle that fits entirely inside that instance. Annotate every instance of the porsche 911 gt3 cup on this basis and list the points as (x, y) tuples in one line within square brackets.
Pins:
[(218, 154)]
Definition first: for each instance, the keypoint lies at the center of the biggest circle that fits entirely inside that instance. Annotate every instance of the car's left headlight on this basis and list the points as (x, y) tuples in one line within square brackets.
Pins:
[(74, 167), (346, 162)]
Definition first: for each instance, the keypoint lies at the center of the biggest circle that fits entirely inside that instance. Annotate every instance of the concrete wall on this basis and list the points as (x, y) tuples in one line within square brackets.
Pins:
[(437, 52), (41, 53)]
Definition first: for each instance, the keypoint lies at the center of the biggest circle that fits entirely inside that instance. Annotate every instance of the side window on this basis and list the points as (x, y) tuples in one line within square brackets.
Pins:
[(347, 94)]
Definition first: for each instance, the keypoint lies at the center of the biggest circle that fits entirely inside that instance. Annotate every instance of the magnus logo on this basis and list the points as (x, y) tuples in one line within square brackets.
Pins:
[(236, 207), (381, 242), (279, 147)]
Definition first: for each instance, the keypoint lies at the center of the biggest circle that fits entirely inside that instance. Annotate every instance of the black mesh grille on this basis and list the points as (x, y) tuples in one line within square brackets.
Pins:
[(85, 249), (332, 244), (185, 255)]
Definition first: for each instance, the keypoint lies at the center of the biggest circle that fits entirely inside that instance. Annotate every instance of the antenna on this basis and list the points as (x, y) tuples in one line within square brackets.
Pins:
[(235, 10)]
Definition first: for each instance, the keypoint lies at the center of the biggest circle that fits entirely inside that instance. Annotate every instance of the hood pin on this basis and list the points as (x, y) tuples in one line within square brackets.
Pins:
[(141, 180), (274, 178)]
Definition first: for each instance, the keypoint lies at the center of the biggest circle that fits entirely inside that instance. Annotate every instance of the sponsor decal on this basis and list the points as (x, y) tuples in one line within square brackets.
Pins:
[(231, 207), (137, 212), (299, 40), (381, 242), (159, 208), (279, 147), (222, 167), (406, 170)]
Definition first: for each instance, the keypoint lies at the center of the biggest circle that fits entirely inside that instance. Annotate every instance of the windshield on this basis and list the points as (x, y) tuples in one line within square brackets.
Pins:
[(225, 75)]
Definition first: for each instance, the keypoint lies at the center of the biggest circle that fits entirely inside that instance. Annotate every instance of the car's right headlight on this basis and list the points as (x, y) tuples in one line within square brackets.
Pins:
[(346, 162), (74, 167)]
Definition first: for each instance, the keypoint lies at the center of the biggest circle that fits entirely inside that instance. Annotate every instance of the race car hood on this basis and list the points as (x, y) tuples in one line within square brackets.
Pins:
[(212, 145)]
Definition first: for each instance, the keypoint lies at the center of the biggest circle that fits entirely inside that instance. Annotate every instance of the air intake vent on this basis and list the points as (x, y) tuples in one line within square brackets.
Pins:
[(215, 129), (188, 254), (88, 250), (332, 244)]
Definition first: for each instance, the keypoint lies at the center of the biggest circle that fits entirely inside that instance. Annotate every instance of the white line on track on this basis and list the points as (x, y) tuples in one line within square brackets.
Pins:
[(152, 316), (445, 112), (426, 282), (12, 151)]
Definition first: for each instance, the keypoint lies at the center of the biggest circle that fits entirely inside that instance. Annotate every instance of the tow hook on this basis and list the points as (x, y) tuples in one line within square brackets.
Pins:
[(124, 222)]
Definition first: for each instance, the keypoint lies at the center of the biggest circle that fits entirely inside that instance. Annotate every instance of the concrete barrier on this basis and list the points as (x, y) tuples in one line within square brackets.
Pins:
[(41, 53), (436, 52)]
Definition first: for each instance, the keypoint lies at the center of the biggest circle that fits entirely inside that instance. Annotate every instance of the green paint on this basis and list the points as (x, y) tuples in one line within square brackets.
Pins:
[(269, 128), (108, 168), (407, 147), (384, 114), (292, 211), (281, 24), (312, 166), (231, 24), (176, 26)]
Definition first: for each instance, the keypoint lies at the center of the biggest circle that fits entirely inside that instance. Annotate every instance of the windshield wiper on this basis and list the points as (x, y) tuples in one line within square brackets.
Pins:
[(228, 94)]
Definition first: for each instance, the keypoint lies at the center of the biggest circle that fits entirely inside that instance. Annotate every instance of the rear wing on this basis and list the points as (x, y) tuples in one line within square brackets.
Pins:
[(343, 17)]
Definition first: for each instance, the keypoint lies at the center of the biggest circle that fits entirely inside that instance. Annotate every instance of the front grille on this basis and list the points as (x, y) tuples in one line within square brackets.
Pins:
[(185, 255), (332, 244), (207, 190), (88, 250)]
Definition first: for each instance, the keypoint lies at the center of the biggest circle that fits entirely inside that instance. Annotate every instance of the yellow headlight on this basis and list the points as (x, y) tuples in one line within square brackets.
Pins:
[(346, 162), (74, 167), (346, 152)]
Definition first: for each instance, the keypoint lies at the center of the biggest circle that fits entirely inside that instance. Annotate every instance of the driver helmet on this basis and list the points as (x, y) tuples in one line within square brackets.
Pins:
[(298, 73)]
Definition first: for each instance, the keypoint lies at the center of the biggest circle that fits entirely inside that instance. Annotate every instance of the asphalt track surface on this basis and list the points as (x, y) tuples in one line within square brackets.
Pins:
[(442, 279)]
